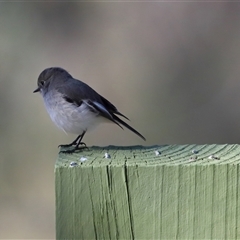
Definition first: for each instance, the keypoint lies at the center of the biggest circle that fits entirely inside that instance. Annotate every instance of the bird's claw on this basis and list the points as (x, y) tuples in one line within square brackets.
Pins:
[(70, 151)]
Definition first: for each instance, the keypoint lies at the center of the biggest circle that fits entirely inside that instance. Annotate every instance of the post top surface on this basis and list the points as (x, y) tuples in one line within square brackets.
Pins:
[(168, 155)]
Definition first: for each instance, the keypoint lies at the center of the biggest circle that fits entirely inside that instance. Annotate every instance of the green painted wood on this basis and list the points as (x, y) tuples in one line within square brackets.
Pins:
[(182, 192)]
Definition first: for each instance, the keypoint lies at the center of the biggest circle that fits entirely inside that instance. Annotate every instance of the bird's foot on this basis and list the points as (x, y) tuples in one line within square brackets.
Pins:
[(73, 149), (71, 144)]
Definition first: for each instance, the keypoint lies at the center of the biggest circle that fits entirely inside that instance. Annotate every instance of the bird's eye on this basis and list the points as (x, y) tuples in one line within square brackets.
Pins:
[(42, 82)]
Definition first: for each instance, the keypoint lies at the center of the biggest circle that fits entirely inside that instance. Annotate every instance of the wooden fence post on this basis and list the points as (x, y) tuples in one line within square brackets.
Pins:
[(156, 192)]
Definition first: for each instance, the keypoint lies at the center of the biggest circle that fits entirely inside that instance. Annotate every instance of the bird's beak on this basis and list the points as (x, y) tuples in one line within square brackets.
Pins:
[(37, 90)]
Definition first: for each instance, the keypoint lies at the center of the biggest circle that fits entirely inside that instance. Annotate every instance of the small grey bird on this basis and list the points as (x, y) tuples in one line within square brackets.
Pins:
[(74, 106)]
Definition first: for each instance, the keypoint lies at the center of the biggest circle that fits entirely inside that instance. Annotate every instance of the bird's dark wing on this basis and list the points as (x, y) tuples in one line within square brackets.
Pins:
[(76, 91)]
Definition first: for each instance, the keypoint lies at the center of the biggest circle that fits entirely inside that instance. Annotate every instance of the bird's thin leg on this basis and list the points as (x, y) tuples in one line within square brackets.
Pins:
[(80, 139), (77, 142)]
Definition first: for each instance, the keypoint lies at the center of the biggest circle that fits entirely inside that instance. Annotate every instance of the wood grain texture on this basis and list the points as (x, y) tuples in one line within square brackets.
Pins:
[(156, 192)]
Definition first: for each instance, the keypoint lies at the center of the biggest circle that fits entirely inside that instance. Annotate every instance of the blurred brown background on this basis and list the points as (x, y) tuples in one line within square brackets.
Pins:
[(172, 68)]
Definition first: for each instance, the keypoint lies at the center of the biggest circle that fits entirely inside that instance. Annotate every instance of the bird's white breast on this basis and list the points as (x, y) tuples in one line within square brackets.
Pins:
[(69, 117)]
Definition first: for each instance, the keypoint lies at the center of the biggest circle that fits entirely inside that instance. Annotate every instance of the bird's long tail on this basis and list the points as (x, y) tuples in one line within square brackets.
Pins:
[(120, 121)]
